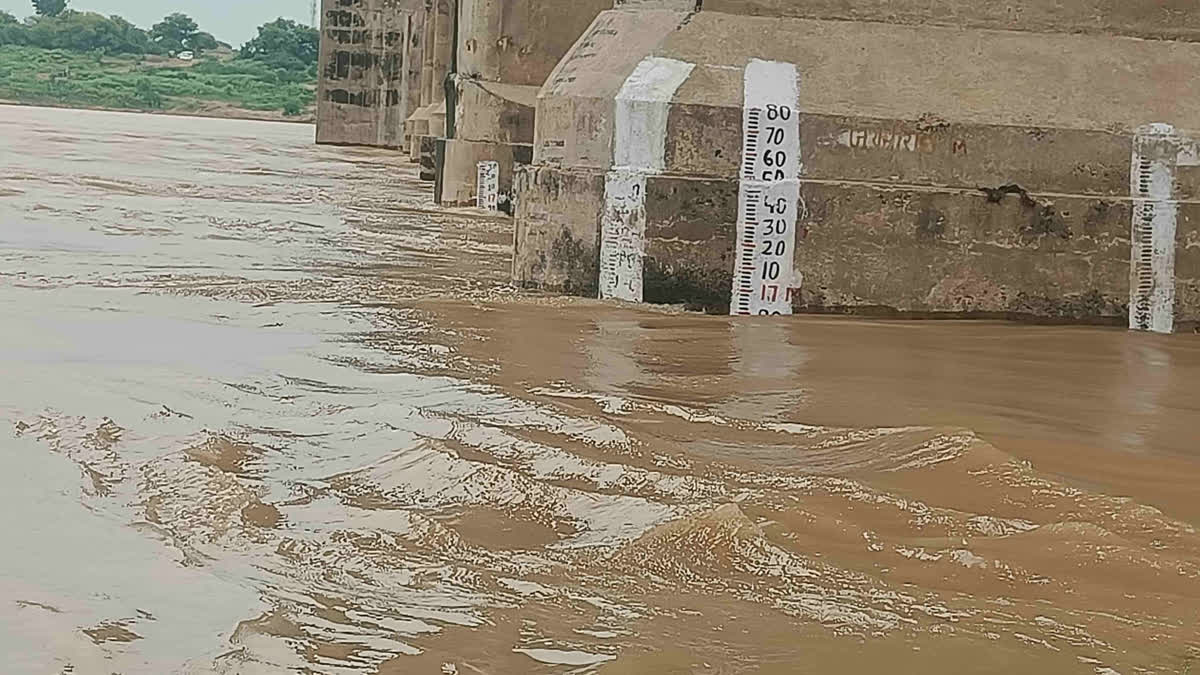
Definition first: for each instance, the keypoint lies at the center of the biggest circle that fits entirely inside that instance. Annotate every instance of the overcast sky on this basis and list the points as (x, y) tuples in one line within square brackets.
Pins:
[(232, 21)]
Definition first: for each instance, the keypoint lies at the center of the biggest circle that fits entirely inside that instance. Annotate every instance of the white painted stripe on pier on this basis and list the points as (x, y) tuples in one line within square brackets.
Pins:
[(1157, 151), (769, 195), (639, 149), (643, 104)]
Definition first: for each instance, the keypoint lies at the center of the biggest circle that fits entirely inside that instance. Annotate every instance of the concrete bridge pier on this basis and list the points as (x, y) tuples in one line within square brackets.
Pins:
[(771, 156), (504, 52), (443, 63), (366, 86), (417, 125), (493, 118), (440, 63), (428, 123), (412, 67)]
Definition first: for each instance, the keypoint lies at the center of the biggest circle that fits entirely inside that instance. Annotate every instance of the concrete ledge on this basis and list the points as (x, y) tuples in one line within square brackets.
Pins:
[(926, 75), (494, 112)]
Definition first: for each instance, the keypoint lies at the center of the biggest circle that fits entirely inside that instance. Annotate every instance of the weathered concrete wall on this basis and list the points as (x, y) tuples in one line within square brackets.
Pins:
[(365, 90), (519, 42), (1066, 257), (1161, 19), (1151, 19), (896, 72), (558, 229), (944, 170)]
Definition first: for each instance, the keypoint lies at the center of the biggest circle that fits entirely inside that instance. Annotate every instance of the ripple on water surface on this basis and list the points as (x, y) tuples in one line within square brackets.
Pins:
[(270, 411)]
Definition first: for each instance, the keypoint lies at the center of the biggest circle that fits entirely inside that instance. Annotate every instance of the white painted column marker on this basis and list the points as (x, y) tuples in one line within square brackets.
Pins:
[(639, 150), (769, 195)]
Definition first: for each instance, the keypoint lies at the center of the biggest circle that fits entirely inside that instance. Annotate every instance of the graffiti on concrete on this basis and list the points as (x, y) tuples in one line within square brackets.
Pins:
[(898, 140)]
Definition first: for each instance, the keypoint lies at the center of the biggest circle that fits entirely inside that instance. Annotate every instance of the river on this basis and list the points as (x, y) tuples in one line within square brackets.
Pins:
[(265, 409)]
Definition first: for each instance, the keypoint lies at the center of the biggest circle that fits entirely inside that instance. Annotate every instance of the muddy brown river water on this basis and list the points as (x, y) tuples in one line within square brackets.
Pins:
[(264, 409)]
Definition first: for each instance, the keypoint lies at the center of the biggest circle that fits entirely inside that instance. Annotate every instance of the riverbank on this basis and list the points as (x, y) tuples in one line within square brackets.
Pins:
[(217, 86), (217, 111)]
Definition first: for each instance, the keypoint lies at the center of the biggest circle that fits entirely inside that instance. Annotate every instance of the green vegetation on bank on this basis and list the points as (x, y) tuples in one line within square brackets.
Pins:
[(80, 59), (60, 77)]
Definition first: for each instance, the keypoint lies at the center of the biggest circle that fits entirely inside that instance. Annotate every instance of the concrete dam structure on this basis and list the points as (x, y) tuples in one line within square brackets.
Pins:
[(472, 72), (1034, 160), (368, 80)]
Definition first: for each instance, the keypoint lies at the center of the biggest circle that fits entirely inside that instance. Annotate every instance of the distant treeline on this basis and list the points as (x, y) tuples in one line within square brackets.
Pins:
[(281, 44), (60, 56)]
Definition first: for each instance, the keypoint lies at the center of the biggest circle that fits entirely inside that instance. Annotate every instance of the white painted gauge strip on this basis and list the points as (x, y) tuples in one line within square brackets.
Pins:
[(487, 185), (623, 243), (639, 149), (1157, 151), (769, 195)]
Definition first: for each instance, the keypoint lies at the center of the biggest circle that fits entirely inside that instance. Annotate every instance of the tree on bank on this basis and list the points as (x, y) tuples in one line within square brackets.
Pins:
[(11, 30), (77, 32), (51, 8), (179, 32), (129, 38), (283, 43), (69, 59)]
